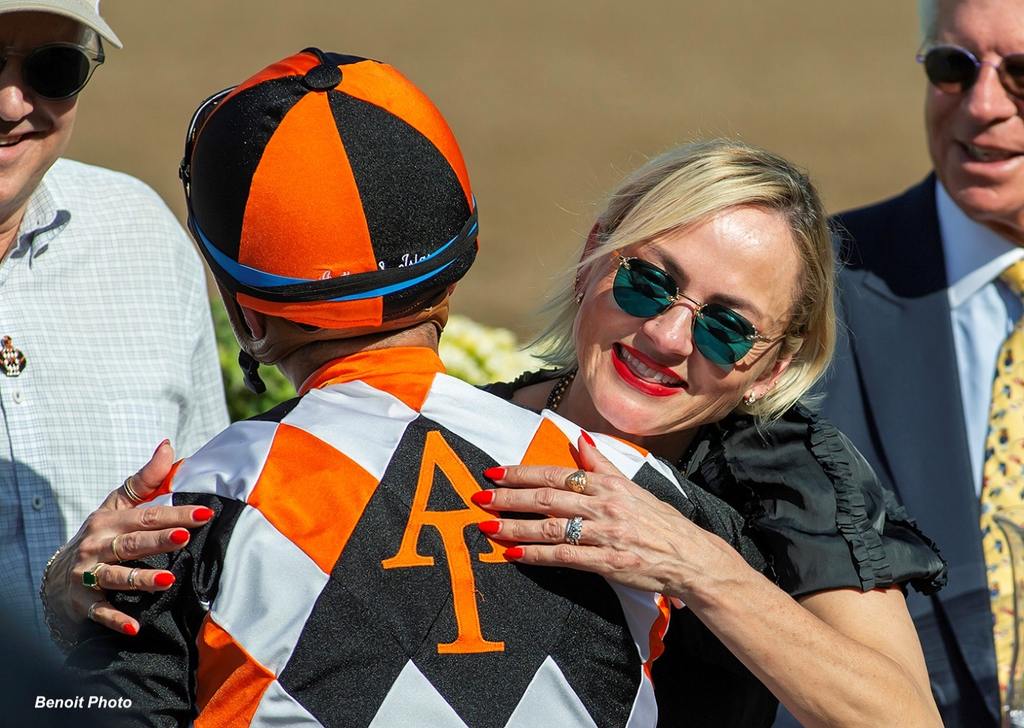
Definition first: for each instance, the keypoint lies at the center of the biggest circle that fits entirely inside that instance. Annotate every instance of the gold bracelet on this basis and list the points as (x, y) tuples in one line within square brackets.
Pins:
[(56, 634)]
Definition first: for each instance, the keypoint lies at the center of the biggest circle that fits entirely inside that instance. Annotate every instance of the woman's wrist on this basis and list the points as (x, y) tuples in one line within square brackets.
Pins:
[(63, 634), (721, 578)]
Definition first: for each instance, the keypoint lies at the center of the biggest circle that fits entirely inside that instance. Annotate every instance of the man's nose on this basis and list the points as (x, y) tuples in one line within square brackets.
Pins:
[(15, 97), (987, 101)]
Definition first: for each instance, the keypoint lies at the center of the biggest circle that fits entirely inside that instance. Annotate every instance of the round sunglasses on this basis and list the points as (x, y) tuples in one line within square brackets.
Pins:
[(720, 334), (55, 71), (953, 69)]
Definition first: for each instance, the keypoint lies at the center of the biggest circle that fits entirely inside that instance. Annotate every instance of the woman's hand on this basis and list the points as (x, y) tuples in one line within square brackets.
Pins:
[(140, 532), (628, 535)]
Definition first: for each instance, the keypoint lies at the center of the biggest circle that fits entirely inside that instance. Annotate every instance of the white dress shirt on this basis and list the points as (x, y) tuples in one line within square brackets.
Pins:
[(105, 296), (983, 311)]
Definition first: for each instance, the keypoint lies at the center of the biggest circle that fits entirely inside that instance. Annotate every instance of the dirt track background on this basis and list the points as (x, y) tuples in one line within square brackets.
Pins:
[(552, 101)]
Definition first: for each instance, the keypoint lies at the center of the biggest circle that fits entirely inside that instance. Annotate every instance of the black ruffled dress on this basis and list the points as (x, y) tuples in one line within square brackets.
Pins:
[(822, 521)]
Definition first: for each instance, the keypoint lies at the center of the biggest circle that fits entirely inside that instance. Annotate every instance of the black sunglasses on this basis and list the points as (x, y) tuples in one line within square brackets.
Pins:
[(953, 69), (56, 71), (720, 334)]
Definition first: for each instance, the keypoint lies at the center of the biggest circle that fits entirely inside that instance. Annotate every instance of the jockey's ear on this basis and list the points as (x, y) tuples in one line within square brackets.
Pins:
[(256, 322)]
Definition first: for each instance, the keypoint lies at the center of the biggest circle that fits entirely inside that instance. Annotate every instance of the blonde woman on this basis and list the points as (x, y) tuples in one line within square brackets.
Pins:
[(699, 316)]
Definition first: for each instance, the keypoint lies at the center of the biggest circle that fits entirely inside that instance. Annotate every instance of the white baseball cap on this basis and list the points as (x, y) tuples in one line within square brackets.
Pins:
[(86, 12)]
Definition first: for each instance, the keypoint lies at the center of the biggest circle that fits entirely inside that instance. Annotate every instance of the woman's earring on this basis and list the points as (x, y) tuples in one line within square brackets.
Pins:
[(579, 298), (749, 399)]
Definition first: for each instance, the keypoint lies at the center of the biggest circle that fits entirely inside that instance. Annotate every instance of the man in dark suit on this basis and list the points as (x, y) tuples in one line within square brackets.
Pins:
[(926, 314)]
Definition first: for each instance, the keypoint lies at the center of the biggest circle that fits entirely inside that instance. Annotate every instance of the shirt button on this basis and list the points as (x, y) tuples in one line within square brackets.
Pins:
[(37, 502), (17, 396)]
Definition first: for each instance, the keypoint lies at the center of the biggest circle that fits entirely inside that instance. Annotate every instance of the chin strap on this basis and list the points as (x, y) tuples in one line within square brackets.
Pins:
[(251, 371)]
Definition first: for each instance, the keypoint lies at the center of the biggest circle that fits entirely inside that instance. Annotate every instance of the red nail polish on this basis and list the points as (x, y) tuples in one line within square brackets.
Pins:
[(489, 527), (482, 497), (163, 579), (494, 473), (202, 514), (516, 552), (129, 629), (179, 536), (586, 436)]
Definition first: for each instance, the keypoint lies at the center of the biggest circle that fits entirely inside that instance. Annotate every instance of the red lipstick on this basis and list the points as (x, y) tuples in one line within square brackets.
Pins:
[(654, 389)]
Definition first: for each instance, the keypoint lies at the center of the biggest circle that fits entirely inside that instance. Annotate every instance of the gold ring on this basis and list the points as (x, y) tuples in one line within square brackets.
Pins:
[(113, 548), (577, 481), (92, 610), (131, 579), (91, 577), (130, 491)]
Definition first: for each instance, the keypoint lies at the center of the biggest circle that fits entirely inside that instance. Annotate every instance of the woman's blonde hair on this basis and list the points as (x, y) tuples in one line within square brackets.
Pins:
[(686, 187)]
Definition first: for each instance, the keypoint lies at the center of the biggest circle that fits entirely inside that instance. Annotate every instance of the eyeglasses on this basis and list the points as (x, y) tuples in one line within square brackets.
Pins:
[(720, 334), (55, 71), (953, 69)]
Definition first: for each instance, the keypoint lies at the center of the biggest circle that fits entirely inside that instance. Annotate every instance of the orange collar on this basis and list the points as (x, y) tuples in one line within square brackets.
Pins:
[(403, 371)]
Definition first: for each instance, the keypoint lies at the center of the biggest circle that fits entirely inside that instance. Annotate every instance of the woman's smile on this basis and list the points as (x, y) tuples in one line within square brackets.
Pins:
[(644, 374)]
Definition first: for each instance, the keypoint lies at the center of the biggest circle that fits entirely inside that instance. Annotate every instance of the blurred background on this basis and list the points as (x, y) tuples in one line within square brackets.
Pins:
[(552, 101)]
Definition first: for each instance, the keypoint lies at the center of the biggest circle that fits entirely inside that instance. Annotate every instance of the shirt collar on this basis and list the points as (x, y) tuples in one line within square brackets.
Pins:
[(975, 255), (43, 219), (406, 372)]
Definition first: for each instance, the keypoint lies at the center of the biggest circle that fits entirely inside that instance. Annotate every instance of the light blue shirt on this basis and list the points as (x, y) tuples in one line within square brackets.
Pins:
[(105, 296), (983, 309)]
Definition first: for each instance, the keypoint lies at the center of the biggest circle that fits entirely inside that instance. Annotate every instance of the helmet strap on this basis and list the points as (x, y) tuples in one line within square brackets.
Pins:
[(251, 371)]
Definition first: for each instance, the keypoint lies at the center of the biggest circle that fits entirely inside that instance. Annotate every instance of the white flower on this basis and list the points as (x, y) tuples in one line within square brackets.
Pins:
[(481, 354)]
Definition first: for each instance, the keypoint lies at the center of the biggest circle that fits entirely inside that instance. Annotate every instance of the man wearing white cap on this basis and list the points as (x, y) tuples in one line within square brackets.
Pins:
[(106, 344)]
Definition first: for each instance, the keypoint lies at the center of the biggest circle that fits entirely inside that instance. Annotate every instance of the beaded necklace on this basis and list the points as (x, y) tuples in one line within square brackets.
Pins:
[(558, 391)]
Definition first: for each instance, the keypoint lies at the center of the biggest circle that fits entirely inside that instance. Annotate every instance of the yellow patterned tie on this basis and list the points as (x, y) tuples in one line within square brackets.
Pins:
[(1002, 487)]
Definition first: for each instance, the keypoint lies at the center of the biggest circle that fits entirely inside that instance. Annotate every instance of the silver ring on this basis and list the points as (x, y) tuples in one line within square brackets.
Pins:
[(130, 491), (113, 548), (577, 482), (574, 530), (91, 614), (131, 579)]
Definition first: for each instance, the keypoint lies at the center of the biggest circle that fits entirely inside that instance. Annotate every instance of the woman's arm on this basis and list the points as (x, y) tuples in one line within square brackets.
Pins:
[(840, 657)]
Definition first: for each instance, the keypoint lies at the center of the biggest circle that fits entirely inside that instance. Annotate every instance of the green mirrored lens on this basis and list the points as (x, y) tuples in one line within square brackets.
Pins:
[(642, 290), (722, 335), (731, 324)]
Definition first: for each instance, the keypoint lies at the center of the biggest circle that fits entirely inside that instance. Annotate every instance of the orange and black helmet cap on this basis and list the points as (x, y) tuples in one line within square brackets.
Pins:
[(328, 190)]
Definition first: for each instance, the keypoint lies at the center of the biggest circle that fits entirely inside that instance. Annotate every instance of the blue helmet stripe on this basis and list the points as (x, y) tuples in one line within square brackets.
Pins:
[(385, 290), (256, 278), (243, 273)]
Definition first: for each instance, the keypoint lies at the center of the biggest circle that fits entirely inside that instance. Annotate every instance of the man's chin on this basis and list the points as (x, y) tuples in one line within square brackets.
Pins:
[(997, 206)]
